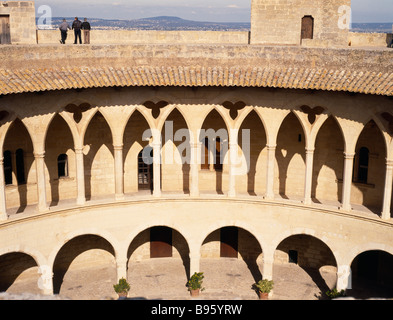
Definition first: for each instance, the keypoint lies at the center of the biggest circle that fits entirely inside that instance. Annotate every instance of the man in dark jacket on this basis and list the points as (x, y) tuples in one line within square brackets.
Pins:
[(76, 26), (86, 31)]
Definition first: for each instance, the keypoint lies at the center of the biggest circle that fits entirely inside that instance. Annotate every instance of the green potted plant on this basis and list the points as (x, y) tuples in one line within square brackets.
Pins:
[(332, 294), (263, 288), (122, 288), (195, 284)]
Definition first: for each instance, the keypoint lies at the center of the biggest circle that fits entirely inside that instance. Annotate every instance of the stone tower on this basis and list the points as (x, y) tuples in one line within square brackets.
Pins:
[(306, 22), (17, 22)]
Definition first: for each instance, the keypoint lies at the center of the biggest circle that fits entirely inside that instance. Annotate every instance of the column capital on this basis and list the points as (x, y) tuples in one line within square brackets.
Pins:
[(78, 150), (271, 147), (118, 147), (39, 154), (195, 144), (389, 163), (349, 155)]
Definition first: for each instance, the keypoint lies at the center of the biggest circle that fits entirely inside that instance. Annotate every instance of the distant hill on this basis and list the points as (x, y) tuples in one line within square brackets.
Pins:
[(372, 27), (157, 23), (174, 23)]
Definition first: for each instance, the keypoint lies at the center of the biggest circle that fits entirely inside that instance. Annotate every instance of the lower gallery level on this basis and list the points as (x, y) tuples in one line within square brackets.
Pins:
[(118, 177)]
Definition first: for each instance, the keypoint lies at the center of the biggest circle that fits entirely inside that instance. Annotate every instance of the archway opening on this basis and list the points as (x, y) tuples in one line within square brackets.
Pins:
[(252, 141), (328, 163), (18, 273), (372, 275), (214, 140), (158, 259), (19, 169), (85, 268), (60, 161), (231, 259), (304, 268), (99, 160), (138, 156), (290, 159), (175, 165), (368, 182)]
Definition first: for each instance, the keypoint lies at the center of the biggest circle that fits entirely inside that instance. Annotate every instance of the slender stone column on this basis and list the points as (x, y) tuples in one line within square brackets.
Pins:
[(271, 154), (267, 269), (195, 259), (387, 196), (194, 170), (121, 268), (80, 177), (344, 278), (119, 172), (232, 176), (41, 184), (45, 281), (347, 181), (156, 169), (3, 206), (308, 176)]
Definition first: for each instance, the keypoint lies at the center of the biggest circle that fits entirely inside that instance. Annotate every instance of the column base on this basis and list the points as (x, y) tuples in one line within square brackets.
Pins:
[(232, 194), (80, 201), (42, 209), (119, 197), (157, 194)]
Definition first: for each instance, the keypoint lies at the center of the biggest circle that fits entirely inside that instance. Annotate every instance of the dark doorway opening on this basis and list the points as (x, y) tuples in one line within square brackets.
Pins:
[(229, 242), (5, 34), (307, 27), (160, 242), (145, 169)]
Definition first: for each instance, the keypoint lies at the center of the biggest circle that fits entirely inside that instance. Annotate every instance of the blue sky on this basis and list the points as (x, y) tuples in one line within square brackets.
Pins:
[(200, 10)]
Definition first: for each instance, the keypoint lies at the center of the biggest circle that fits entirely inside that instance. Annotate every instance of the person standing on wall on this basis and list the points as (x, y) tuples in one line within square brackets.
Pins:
[(86, 31), (64, 27), (76, 26)]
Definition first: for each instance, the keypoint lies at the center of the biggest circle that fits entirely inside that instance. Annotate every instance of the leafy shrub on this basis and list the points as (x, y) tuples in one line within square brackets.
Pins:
[(196, 281), (335, 293), (122, 287)]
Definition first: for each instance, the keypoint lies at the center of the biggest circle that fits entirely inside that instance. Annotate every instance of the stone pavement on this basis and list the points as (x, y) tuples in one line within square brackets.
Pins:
[(165, 278)]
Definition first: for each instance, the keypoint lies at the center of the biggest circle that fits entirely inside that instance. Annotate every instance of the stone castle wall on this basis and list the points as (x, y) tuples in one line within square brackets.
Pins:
[(21, 19), (280, 22)]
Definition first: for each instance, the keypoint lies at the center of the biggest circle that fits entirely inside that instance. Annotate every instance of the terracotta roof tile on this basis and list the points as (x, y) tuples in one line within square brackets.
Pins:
[(32, 80)]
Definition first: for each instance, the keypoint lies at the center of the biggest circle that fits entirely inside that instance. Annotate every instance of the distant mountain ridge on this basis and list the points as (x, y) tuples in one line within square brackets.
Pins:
[(157, 23), (170, 23)]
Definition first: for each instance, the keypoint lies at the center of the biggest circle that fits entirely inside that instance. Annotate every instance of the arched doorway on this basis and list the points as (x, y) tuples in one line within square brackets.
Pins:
[(145, 169), (138, 156), (18, 273), (372, 275), (304, 268), (368, 182), (158, 264), (99, 161), (290, 158), (60, 161), (307, 31), (231, 259), (85, 268), (20, 178)]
